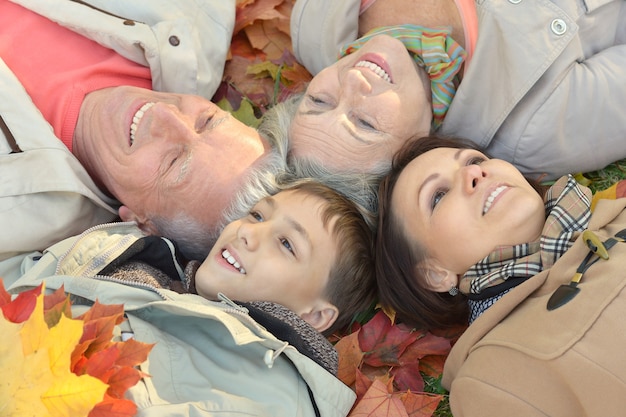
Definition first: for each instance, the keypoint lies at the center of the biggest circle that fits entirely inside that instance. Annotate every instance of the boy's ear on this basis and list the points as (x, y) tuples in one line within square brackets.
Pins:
[(438, 278), (321, 316), (145, 224)]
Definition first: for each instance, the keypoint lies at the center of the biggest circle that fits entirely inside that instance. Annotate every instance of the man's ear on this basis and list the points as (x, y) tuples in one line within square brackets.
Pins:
[(321, 316), (438, 278), (145, 224)]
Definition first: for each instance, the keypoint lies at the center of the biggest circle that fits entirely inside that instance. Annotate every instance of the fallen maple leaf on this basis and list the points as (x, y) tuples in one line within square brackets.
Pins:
[(57, 366), (383, 343), (420, 405), (379, 401), (350, 357)]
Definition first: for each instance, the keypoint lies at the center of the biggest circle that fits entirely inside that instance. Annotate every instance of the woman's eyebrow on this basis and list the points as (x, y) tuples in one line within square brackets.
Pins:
[(428, 179)]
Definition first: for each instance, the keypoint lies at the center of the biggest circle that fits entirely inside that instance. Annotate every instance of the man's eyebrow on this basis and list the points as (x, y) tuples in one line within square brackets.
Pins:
[(184, 168)]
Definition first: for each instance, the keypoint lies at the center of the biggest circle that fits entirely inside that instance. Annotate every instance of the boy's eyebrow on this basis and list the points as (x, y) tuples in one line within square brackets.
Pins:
[(297, 226)]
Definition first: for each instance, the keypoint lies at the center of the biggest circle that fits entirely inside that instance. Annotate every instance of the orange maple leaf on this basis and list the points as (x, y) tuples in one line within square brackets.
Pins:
[(420, 405), (250, 11), (378, 401), (20, 309), (350, 356)]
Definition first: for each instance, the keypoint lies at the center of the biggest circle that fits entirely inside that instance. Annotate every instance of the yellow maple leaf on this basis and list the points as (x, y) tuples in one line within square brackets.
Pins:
[(63, 338), (36, 375), (24, 378), (73, 395)]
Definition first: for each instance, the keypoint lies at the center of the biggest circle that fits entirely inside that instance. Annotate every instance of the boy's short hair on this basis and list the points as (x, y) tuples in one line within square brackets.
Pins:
[(351, 285)]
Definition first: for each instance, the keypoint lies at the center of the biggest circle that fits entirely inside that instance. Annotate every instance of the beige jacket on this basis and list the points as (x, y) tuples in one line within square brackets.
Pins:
[(519, 359)]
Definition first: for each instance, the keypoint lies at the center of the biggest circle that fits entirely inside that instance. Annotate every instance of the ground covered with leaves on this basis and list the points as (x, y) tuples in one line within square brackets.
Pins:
[(394, 370)]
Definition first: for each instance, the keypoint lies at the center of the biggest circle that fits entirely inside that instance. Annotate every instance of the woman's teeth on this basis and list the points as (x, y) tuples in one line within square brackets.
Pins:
[(136, 118), (375, 68), (492, 197), (231, 260)]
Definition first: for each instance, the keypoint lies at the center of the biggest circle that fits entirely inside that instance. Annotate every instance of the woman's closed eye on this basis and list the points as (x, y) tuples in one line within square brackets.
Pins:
[(364, 124)]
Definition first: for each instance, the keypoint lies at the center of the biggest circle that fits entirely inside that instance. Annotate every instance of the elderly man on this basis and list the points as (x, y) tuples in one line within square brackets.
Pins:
[(171, 162)]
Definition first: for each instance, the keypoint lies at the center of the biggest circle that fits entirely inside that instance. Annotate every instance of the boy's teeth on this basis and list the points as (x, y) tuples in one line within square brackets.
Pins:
[(231, 260)]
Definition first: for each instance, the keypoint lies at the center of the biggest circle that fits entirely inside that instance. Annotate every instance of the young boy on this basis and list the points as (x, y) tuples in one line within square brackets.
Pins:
[(306, 248)]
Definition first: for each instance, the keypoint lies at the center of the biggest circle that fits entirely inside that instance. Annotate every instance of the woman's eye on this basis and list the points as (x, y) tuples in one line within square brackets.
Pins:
[(287, 245), (366, 125), (477, 160), (437, 196), (256, 216)]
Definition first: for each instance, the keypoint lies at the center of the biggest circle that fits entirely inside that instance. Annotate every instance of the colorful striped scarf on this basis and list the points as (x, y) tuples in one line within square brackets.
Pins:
[(435, 51)]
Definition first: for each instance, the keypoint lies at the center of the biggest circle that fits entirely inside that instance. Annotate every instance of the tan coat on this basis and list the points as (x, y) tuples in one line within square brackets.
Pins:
[(519, 359)]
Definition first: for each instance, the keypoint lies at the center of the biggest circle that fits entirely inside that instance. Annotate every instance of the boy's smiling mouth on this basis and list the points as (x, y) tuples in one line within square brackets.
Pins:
[(231, 260)]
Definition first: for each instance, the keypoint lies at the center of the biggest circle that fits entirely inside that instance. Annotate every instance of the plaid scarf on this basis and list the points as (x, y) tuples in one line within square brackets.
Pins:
[(568, 213), (432, 49)]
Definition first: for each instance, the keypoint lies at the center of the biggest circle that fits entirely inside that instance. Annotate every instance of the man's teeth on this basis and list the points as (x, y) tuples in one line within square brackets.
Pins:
[(375, 68), (136, 118), (231, 260), (492, 197)]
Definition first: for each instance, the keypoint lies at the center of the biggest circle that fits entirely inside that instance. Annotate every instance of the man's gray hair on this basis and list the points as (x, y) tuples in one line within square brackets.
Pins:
[(193, 238)]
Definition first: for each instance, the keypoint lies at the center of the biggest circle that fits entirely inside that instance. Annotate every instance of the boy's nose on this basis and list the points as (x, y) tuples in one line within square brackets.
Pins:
[(249, 234)]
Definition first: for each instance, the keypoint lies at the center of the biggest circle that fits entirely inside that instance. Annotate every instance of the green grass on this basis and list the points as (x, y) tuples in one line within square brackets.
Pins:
[(604, 178)]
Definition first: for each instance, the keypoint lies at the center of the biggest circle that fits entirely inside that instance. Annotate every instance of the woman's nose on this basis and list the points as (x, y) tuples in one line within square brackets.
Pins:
[(355, 82), (471, 176)]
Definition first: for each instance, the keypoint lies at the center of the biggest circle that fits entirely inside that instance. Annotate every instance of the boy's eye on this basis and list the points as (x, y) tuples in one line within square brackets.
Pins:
[(256, 216), (287, 245), (437, 196)]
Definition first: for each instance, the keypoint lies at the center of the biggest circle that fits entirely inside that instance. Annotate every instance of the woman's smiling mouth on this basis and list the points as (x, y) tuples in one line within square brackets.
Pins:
[(494, 194)]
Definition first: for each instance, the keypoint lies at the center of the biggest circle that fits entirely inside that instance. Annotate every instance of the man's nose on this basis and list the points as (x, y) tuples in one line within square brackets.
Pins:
[(170, 124)]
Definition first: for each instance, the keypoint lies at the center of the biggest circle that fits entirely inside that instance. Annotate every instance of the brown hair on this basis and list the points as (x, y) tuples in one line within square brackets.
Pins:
[(400, 284), (351, 285)]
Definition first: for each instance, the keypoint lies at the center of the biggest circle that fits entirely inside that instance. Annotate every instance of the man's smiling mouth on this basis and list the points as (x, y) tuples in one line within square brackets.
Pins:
[(231, 260), (136, 118)]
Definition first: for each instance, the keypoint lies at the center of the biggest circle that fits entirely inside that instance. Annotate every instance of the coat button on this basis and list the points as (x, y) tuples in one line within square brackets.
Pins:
[(515, 1), (174, 41), (129, 22), (558, 26)]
